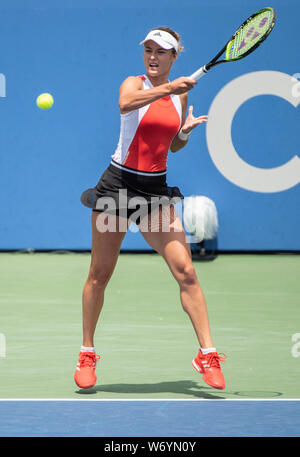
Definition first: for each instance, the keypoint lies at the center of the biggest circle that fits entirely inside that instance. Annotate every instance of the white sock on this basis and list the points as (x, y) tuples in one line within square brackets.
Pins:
[(86, 349), (208, 350)]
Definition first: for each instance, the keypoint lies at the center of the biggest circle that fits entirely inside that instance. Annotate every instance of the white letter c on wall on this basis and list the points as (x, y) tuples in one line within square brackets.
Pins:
[(218, 132)]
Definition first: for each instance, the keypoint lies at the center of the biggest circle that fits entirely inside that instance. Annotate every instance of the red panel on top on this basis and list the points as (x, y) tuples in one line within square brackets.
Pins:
[(150, 146)]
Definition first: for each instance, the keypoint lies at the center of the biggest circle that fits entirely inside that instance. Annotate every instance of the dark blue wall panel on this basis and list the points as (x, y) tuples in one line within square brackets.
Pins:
[(81, 51)]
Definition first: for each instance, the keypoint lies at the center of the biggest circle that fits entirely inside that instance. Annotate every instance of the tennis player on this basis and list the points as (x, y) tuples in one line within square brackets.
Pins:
[(154, 120)]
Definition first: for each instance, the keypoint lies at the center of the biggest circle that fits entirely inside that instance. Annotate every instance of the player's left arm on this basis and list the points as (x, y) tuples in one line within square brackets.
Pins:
[(187, 125)]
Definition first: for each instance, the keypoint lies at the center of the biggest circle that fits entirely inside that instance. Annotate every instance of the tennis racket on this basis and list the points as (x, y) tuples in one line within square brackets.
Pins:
[(245, 40)]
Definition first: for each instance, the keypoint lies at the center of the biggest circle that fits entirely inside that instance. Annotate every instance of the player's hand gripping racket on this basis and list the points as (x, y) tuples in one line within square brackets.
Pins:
[(246, 39)]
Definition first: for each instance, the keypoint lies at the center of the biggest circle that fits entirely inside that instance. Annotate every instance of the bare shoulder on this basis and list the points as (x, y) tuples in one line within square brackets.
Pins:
[(132, 83)]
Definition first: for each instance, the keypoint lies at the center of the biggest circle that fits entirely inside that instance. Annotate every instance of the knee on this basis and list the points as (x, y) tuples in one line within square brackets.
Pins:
[(187, 276), (99, 277)]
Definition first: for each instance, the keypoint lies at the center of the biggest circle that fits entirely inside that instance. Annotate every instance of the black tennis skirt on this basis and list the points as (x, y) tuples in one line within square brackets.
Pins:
[(123, 192)]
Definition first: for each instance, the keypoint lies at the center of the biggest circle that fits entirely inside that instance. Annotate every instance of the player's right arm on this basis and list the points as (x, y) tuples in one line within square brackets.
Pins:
[(132, 96)]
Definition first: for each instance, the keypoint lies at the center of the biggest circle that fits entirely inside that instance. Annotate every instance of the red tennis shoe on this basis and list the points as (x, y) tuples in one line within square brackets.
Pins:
[(209, 366), (85, 376)]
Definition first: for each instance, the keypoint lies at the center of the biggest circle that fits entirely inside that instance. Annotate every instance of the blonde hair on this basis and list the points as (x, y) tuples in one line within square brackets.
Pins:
[(174, 34)]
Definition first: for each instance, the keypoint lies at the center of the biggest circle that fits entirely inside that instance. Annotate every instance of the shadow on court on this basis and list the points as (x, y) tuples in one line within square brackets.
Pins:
[(187, 388)]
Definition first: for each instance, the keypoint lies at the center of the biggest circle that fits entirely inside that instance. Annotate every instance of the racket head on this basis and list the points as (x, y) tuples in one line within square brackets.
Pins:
[(250, 34)]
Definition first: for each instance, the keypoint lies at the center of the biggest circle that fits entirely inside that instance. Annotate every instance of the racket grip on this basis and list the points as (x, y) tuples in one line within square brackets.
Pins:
[(199, 73)]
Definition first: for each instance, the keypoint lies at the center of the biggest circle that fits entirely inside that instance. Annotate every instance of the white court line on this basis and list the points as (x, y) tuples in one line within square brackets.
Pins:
[(145, 399)]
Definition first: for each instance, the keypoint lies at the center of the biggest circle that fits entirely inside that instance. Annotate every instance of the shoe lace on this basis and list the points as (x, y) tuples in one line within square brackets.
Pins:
[(88, 359), (214, 359)]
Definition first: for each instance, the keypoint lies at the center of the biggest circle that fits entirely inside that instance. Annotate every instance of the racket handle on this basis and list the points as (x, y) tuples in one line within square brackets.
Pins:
[(199, 73)]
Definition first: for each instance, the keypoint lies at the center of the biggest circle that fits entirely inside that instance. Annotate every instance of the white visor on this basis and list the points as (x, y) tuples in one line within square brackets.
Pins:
[(163, 39)]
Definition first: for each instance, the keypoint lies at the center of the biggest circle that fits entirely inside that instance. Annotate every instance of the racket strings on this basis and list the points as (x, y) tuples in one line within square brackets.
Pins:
[(249, 35)]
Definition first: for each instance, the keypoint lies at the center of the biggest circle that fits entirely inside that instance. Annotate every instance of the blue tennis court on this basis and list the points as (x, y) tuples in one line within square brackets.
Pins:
[(206, 418)]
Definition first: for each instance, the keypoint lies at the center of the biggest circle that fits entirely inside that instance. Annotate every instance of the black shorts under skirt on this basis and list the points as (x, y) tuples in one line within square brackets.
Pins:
[(128, 192)]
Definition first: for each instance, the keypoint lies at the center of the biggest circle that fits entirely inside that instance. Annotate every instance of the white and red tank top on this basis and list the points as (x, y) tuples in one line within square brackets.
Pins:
[(146, 135)]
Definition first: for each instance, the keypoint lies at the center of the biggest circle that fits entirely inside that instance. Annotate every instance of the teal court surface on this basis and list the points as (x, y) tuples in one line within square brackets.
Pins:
[(146, 383)]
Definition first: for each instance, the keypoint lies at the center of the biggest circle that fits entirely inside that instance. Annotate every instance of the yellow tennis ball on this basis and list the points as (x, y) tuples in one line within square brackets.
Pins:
[(44, 101)]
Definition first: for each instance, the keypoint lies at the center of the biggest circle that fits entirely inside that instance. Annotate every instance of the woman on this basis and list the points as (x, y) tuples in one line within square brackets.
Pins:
[(153, 120)]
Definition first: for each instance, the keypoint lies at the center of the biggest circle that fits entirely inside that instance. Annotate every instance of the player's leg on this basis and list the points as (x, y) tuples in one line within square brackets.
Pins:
[(104, 256), (105, 251), (171, 243)]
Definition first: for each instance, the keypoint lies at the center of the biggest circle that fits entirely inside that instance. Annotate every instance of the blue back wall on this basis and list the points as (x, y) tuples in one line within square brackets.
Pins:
[(80, 51)]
